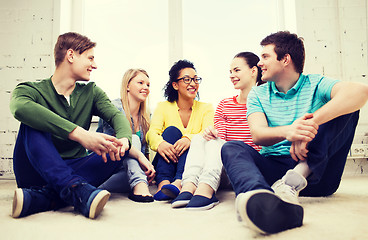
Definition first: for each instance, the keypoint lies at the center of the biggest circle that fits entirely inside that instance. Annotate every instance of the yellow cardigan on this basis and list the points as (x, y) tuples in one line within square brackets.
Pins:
[(166, 114)]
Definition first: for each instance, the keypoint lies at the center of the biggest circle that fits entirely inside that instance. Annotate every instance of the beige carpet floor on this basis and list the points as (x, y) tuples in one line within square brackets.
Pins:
[(341, 216)]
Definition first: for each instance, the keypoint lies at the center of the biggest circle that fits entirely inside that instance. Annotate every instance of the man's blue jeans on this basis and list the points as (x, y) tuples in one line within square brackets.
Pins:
[(37, 163), (249, 170), (170, 171)]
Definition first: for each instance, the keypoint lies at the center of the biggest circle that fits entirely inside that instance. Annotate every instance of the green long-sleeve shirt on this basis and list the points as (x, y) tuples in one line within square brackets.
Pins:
[(38, 105)]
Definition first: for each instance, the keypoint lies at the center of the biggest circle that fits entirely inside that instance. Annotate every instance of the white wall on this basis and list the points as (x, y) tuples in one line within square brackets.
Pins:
[(335, 34), (26, 29)]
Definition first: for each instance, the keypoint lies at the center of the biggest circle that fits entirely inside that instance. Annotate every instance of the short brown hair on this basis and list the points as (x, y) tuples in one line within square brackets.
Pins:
[(71, 40), (287, 43)]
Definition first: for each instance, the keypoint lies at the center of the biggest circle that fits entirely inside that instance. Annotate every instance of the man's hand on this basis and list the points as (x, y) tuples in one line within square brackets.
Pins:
[(99, 143), (302, 129), (210, 133), (299, 151), (168, 152)]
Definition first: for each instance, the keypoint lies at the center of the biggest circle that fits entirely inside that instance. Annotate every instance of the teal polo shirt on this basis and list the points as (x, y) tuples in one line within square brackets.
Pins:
[(308, 94)]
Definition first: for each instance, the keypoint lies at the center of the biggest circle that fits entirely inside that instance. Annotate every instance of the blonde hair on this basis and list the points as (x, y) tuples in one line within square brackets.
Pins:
[(143, 115)]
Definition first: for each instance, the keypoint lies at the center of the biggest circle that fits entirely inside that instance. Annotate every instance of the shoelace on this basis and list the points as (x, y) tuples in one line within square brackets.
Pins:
[(283, 187)]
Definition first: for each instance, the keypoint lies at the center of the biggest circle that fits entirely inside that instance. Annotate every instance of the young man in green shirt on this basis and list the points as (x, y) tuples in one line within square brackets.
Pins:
[(51, 164)]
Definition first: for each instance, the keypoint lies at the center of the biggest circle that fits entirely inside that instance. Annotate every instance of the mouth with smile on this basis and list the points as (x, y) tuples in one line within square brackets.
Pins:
[(192, 90), (235, 81), (144, 93)]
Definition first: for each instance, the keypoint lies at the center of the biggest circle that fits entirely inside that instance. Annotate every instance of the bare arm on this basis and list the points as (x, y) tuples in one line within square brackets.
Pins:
[(346, 97), (303, 129)]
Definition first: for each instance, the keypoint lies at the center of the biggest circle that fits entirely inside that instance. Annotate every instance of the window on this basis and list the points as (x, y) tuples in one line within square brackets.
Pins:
[(133, 34)]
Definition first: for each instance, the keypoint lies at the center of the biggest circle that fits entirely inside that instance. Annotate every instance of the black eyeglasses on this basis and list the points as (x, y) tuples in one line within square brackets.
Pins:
[(188, 80)]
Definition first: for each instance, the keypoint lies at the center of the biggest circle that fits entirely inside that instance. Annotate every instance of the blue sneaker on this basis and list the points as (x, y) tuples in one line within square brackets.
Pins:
[(170, 190), (199, 202), (160, 196), (86, 199), (34, 200), (181, 200)]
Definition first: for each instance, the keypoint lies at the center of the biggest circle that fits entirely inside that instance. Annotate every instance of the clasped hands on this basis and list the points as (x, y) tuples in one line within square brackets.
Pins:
[(100, 143), (172, 152), (300, 133)]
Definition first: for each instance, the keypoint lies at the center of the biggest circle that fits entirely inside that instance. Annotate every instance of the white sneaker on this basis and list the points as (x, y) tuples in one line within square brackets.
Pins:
[(264, 212), (289, 186)]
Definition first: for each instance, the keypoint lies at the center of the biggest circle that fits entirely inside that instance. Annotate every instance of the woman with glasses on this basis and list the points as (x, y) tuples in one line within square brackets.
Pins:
[(203, 169), (138, 171), (173, 125)]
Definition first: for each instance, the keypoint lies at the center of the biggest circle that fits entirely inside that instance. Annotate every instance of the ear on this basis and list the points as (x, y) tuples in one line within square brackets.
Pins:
[(287, 59), (70, 55), (254, 70), (175, 85)]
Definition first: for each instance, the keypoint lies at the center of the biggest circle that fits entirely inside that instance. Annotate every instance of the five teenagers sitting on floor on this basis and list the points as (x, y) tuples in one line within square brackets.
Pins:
[(304, 123)]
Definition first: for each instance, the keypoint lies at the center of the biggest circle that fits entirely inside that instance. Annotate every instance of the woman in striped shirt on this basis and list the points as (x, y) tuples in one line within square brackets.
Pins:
[(203, 168)]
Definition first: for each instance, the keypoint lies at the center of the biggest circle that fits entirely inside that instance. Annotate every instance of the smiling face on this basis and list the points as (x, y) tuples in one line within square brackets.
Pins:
[(138, 87), (82, 64), (241, 75), (186, 90), (271, 67)]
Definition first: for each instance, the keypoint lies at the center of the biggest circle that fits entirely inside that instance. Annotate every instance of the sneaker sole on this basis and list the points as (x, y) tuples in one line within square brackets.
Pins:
[(266, 213), (98, 203), (17, 203), (180, 204), (207, 207)]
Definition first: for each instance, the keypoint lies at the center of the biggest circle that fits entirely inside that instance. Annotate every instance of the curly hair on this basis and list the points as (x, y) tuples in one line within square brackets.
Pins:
[(170, 93)]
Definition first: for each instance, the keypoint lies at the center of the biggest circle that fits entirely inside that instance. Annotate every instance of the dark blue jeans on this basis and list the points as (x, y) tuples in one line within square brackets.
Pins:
[(249, 170), (36, 162), (170, 171)]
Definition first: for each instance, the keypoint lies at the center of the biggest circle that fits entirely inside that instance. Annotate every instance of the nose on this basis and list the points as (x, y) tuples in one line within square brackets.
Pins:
[(259, 64), (231, 75), (94, 65)]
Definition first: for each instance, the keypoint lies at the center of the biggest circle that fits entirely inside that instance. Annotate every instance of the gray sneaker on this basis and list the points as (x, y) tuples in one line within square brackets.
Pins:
[(264, 212), (289, 186)]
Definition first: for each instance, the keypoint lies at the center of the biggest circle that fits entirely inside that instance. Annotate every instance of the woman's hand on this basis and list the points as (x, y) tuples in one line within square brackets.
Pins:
[(182, 145), (168, 152), (147, 167), (210, 133)]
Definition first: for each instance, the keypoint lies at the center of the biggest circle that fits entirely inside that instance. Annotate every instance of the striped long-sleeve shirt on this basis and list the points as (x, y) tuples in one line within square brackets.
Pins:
[(231, 122)]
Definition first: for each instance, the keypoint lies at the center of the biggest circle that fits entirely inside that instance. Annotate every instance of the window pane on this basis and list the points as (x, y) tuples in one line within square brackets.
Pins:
[(129, 34), (214, 31)]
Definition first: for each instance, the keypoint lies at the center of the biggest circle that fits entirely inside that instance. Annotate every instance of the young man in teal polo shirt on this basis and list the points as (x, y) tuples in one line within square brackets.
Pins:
[(51, 164), (306, 125)]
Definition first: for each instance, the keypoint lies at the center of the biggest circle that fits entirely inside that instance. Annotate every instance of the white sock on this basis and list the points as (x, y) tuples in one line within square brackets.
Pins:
[(303, 169)]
